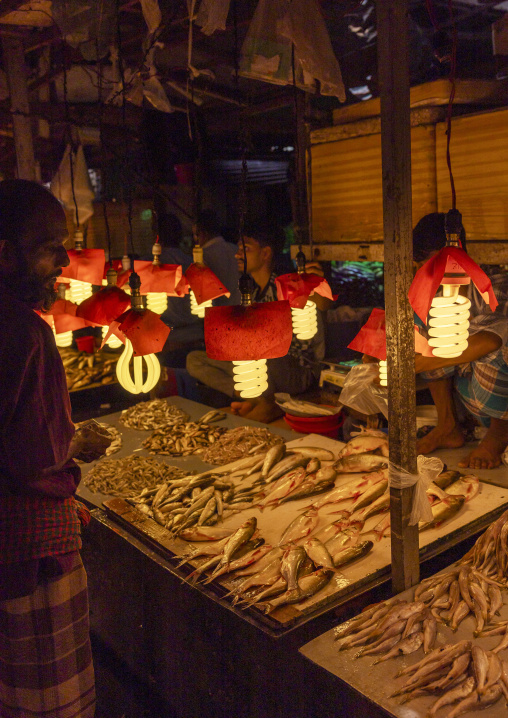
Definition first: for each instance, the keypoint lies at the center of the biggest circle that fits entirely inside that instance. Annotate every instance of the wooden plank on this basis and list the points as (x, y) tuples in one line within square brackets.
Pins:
[(483, 252), (36, 13), (393, 67), (372, 126), (14, 55), (474, 92)]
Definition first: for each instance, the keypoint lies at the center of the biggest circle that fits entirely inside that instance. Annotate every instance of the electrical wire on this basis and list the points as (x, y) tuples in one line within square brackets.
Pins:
[(68, 130), (451, 78)]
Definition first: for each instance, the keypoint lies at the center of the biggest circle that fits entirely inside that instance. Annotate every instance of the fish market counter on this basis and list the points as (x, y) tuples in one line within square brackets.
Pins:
[(243, 661)]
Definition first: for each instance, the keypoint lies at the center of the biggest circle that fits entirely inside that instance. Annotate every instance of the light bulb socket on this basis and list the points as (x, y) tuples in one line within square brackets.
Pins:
[(111, 277), (197, 254), (78, 240), (246, 286), (453, 227), (126, 262), (156, 251), (138, 303), (300, 262), (62, 287)]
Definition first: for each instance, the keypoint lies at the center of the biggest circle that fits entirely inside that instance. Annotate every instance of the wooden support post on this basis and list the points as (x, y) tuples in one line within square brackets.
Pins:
[(393, 69), (14, 55)]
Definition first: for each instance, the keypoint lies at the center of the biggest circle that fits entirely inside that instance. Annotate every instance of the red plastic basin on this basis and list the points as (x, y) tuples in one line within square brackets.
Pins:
[(326, 425)]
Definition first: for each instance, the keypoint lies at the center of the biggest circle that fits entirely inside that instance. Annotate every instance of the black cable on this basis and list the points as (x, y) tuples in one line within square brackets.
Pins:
[(67, 119)]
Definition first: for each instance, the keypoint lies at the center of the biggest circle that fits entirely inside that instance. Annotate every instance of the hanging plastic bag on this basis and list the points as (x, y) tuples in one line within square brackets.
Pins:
[(86, 26), (267, 51), (212, 15), (361, 394), (62, 184), (152, 14), (429, 468)]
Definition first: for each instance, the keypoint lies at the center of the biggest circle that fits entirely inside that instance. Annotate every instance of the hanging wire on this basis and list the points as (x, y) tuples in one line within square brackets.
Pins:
[(69, 131), (242, 199), (297, 152), (101, 128), (451, 79)]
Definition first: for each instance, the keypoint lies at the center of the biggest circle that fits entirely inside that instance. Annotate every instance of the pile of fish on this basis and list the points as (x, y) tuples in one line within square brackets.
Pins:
[(185, 438), (238, 442), (128, 476), (269, 576), (462, 673), (213, 495), (83, 369), (490, 552), (153, 414)]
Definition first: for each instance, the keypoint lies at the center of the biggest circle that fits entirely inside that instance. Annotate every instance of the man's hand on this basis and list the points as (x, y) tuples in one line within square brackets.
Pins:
[(90, 442)]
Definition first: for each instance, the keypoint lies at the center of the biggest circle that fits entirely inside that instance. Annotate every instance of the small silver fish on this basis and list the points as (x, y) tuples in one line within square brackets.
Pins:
[(362, 444), (307, 587), (312, 452), (293, 558), (442, 511)]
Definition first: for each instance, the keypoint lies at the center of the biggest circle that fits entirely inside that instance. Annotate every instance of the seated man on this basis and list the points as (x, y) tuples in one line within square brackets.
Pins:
[(299, 369), (479, 376)]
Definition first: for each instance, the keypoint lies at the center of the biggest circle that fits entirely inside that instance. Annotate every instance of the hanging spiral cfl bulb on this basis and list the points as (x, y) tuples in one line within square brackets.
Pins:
[(250, 377), (305, 321), (198, 309), (383, 373), (113, 341), (79, 291), (449, 323), (63, 339), (135, 383)]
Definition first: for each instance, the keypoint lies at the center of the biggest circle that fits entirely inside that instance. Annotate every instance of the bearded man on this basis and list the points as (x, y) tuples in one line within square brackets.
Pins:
[(45, 657)]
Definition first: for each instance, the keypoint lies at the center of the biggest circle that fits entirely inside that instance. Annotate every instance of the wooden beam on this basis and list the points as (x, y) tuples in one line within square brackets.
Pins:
[(393, 69), (14, 56)]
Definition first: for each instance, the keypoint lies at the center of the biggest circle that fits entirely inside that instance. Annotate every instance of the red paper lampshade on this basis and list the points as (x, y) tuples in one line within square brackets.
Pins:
[(64, 316), (297, 288), (371, 339), (104, 306), (160, 278), (449, 260), (243, 333), (145, 330), (86, 265), (204, 283)]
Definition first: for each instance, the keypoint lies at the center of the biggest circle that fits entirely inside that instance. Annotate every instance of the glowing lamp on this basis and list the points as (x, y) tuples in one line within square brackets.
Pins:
[(204, 285), (85, 269), (158, 281), (248, 335), (297, 287), (105, 306), (447, 317), (143, 333), (383, 373)]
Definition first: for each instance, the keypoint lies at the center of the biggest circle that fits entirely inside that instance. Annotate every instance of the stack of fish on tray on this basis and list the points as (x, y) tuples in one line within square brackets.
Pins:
[(461, 673)]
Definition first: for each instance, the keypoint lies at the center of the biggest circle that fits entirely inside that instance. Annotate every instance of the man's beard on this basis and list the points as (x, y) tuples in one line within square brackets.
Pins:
[(35, 293)]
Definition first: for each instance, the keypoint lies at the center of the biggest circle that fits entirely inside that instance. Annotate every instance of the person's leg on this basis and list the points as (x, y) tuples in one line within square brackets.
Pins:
[(447, 433), (215, 374), (484, 393), (45, 655)]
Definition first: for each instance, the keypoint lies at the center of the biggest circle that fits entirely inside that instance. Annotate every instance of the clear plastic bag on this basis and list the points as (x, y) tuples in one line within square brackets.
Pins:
[(152, 14), (62, 186), (361, 394), (212, 15), (429, 468)]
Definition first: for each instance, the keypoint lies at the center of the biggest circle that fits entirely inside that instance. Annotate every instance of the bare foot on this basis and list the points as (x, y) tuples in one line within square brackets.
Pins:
[(264, 411), (242, 408), (440, 438), (488, 455)]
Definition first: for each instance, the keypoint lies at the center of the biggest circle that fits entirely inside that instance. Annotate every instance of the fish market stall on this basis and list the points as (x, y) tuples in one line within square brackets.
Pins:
[(440, 648), (311, 505)]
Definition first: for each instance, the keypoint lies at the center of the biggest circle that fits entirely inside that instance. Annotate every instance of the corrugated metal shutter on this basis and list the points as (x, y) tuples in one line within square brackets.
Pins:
[(479, 158), (347, 193)]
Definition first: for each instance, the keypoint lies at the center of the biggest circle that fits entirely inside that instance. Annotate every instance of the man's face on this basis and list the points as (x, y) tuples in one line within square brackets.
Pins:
[(258, 257), (38, 260)]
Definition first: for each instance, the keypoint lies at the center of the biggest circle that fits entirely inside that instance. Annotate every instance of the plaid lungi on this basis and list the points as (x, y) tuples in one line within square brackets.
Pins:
[(46, 668)]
